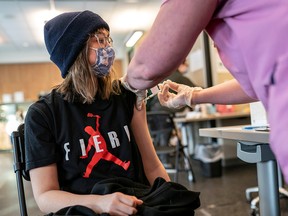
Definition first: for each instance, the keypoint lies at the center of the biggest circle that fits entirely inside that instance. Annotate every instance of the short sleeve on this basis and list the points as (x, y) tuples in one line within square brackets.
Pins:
[(40, 145)]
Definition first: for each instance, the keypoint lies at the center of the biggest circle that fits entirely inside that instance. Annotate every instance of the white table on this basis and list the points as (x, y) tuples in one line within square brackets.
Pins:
[(190, 126), (253, 147)]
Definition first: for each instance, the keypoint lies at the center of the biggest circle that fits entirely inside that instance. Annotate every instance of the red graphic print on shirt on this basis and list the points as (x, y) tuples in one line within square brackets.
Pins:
[(97, 141)]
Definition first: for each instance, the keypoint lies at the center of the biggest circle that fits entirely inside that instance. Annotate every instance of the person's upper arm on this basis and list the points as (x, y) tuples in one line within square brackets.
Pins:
[(141, 131), (152, 165), (44, 179)]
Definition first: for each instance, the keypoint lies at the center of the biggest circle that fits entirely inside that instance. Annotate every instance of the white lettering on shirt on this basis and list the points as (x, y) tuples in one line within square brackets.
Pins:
[(97, 143), (127, 132), (113, 139), (67, 150), (82, 146)]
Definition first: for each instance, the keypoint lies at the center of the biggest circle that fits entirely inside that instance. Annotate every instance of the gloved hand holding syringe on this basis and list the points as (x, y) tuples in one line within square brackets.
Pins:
[(180, 96)]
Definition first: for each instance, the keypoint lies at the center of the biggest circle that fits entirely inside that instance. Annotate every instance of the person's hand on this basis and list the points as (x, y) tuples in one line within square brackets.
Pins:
[(140, 94), (181, 98), (119, 204)]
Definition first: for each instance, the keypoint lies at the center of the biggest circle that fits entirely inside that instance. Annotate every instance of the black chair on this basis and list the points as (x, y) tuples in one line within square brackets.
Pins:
[(19, 166), (163, 130)]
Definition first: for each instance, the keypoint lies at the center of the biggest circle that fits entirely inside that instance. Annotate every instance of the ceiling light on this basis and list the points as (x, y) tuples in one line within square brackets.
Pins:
[(134, 38)]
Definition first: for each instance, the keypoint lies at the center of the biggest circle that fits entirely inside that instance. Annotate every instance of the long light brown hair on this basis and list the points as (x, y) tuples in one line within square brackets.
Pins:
[(82, 85)]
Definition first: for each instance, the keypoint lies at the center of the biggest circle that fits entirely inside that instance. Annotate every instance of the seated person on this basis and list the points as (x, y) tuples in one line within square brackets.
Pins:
[(86, 131)]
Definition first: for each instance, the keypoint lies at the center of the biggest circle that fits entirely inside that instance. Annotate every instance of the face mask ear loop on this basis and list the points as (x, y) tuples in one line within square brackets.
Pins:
[(97, 39), (96, 51)]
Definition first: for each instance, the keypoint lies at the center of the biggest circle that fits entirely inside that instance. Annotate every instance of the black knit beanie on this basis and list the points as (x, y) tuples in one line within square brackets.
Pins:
[(65, 36)]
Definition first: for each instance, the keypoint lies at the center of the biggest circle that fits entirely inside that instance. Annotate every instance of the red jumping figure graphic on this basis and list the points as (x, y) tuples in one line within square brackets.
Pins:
[(97, 141)]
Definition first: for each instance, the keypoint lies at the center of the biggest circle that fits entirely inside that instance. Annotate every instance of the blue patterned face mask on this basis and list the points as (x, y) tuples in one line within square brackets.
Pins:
[(104, 60)]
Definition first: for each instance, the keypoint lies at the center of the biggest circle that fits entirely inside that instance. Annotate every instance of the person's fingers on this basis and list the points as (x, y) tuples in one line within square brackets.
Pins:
[(176, 102), (172, 85), (138, 202), (140, 96), (139, 104), (129, 204), (162, 97), (166, 100), (124, 210), (165, 89), (169, 99), (130, 200)]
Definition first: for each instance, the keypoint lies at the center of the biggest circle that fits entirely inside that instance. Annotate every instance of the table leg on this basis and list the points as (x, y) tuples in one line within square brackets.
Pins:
[(268, 188)]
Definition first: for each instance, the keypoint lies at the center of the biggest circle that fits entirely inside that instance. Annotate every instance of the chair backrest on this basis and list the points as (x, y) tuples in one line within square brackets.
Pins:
[(19, 145), (161, 126), (17, 138), (167, 140)]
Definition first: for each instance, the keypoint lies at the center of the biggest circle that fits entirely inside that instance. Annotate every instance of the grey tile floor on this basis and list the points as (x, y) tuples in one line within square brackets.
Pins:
[(220, 196)]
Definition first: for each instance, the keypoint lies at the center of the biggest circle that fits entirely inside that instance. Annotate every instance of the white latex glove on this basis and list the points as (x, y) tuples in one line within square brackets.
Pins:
[(140, 94), (183, 96)]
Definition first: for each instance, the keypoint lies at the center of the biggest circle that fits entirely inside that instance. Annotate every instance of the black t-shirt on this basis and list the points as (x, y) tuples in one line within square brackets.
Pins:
[(89, 142)]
